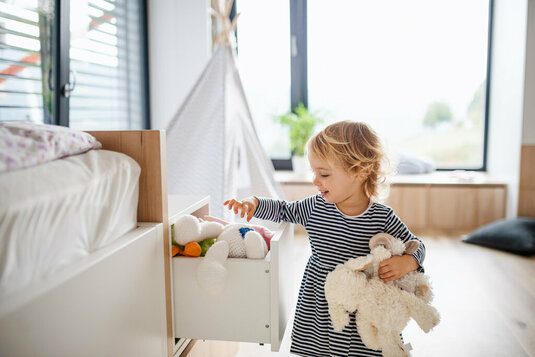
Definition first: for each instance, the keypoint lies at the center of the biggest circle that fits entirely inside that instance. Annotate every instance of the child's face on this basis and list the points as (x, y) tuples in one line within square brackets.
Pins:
[(335, 184)]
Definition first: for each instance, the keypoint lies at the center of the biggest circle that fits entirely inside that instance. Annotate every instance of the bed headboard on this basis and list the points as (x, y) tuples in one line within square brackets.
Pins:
[(147, 147)]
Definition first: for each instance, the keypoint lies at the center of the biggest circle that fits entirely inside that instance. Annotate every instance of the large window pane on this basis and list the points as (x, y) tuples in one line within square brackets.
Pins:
[(414, 69), (106, 65), (264, 63), (26, 75)]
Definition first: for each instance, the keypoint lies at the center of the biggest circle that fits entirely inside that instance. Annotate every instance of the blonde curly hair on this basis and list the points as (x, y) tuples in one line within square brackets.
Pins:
[(357, 148)]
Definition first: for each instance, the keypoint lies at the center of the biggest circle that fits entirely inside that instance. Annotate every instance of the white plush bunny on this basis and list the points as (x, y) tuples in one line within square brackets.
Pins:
[(236, 241), (189, 228)]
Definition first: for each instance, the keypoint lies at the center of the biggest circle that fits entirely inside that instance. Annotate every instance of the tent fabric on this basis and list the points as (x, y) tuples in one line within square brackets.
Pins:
[(212, 145)]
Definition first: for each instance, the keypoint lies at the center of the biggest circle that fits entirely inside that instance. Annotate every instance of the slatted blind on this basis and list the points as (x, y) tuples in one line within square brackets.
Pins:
[(24, 41), (106, 62), (106, 65)]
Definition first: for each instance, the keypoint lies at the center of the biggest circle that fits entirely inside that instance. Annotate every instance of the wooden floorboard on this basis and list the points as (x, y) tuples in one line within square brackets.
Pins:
[(477, 300), (503, 278), (486, 299)]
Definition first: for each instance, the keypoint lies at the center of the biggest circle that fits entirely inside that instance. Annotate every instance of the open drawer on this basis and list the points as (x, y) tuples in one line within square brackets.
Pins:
[(255, 305)]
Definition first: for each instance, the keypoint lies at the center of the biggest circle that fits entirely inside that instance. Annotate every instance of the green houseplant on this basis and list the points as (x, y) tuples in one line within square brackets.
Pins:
[(301, 124)]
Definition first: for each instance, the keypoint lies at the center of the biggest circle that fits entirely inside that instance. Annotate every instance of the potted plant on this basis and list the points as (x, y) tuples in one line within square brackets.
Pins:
[(301, 124)]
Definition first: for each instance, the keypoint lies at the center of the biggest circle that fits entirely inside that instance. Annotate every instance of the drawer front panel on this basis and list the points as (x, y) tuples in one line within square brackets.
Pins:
[(283, 287), (240, 313)]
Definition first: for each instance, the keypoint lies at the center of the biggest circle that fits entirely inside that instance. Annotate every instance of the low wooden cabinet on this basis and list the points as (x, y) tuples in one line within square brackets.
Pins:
[(410, 204), (526, 192), (435, 201), (447, 207)]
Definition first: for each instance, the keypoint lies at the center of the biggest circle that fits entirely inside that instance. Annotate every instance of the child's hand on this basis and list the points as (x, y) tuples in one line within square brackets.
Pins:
[(396, 267), (247, 206)]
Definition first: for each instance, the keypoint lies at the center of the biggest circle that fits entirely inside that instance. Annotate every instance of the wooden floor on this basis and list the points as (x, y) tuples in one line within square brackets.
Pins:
[(486, 299)]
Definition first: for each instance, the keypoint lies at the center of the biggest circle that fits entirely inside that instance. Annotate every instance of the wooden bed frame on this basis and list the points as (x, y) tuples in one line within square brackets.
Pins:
[(116, 301)]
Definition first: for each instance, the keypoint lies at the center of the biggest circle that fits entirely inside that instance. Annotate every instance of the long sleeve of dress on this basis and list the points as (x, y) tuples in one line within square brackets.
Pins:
[(396, 228), (297, 212)]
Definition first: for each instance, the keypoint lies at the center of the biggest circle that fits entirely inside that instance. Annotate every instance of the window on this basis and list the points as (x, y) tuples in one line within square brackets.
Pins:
[(101, 70), (263, 37), (416, 70)]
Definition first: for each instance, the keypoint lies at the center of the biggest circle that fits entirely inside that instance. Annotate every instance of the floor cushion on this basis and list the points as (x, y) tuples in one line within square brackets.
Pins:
[(512, 235)]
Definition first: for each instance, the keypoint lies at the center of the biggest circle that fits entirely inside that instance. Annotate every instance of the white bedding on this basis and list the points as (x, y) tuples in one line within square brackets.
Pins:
[(58, 212)]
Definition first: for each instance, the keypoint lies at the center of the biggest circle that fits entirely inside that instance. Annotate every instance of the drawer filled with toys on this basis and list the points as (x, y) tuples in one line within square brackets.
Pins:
[(232, 274)]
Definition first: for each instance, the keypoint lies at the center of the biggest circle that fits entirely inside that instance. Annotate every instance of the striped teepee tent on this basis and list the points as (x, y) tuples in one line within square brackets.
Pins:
[(212, 145)]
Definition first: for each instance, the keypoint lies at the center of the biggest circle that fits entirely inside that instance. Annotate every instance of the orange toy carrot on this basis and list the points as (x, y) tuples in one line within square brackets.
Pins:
[(192, 249)]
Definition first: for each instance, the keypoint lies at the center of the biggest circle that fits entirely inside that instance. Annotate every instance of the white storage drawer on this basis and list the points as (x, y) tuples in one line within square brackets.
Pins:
[(255, 305), (236, 309)]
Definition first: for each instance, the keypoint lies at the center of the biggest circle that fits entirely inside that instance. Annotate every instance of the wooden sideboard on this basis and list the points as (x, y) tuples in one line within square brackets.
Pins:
[(526, 192), (457, 201)]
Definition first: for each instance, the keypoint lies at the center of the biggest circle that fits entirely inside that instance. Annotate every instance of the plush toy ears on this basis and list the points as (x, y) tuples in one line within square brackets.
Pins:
[(411, 246), (381, 239)]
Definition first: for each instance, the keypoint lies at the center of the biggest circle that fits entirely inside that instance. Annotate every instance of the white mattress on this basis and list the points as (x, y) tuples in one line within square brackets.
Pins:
[(61, 211)]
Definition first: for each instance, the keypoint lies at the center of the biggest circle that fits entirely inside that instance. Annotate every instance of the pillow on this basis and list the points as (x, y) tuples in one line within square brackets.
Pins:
[(512, 235), (25, 144), (414, 164)]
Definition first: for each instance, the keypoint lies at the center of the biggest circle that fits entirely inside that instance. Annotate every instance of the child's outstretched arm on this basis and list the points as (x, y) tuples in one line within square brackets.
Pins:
[(247, 206), (275, 210)]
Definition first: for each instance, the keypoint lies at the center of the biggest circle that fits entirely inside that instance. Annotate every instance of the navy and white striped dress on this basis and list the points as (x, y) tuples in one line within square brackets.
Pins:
[(334, 238)]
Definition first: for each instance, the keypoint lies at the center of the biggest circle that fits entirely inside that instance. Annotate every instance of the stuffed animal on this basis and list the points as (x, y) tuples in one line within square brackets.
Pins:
[(236, 241), (382, 309), (264, 232), (413, 282), (192, 237)]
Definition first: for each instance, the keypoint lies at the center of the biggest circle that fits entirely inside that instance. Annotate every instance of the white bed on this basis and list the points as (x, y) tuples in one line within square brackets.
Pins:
[(58, 212), (79, 276)]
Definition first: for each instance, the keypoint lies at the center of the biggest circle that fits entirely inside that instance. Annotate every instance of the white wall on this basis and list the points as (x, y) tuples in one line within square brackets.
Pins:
[(179, 48), (528, 132), (507, 95)]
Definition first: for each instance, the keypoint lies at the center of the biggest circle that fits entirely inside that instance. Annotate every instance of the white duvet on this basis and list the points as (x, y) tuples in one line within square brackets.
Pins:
[(58, 212)]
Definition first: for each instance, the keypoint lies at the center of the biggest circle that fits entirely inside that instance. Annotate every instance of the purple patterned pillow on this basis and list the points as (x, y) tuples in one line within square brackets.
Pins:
[(25, 144)]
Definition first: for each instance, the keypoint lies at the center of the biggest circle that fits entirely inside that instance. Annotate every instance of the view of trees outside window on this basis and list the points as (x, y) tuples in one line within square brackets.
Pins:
[(414, 69)]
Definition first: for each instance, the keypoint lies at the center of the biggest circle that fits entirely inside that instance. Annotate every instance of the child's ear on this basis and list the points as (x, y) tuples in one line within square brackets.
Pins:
[(359, 176)]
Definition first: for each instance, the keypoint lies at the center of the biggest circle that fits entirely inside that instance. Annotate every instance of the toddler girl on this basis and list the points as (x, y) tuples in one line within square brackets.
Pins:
[(346, 158)]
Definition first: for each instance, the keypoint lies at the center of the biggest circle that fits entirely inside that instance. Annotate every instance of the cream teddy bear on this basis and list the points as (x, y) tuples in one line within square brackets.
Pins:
[(235, 241), (413, 282), (382, 309)]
